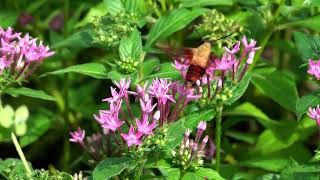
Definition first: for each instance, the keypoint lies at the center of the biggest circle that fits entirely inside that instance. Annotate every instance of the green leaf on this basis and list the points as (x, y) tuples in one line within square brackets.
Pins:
[(37, 126), (21, 114), (173, 22), (131, 47), (175, 133), (203, 173), (23, 91), (16, 165), (285, 135), (164, 70), (245, 137), (296, 171), (7, 18), (111, 167), (7, 116), (115, 75), (308, 47), (248, 109), (114, 6), (171, 173), (148, 66), (310, 22), (94, 70), (306, 101), (78, 40), (135, 6), (279, 87), (268, 163), (192, 3), (96, 11), (239, 89)]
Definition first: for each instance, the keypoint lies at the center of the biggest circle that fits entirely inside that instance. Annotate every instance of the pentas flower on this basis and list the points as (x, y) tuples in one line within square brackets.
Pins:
[(109, 121), (123, 85), (160, 90), (115, 96), (147, 106), (4, 63), (23, 54), (234, 50), (250, 46), (225, 63), (77, 136), (183, 68), (144, 126), (132, 138), (314, 113), (314, 68), (156, 104)]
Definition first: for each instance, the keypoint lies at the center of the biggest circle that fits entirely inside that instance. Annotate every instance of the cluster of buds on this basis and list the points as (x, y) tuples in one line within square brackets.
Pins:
[(110, 29), (191, 152), (215, 25), (127, 65), (20, 56), (222, 73), (158, 107)]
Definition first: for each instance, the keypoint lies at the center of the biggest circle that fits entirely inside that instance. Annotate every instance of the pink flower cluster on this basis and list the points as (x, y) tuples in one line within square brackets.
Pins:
[(158, 106), (229, 62), (314, 68), (20, 55)]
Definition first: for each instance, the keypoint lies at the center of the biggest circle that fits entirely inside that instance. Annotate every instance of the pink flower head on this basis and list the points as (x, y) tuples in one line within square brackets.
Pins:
[(8, 34), (314, 113), (234, 50), (225, 63), (147, 106), (144, 126), (132, 138), (140, 90), (160, 90), (251, 46), (314, 68), (4, 63), (183, 68), (109, 121), (123, 85), (115, 96), (77, 136)]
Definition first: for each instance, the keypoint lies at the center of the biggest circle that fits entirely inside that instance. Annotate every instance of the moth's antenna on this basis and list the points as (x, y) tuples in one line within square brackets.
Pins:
[(222, 37)]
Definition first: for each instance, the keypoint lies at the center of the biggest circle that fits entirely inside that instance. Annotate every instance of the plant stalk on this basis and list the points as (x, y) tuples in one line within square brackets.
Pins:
[(21, 155), (218, 137)]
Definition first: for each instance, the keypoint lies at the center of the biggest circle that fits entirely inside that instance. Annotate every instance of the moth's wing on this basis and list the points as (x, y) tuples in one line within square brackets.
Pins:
[(183, 55)]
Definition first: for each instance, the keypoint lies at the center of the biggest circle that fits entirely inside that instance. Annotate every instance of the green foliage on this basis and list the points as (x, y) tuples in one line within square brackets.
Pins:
[(94, 70), (173, 22), (111, 167), (279, 87), (23, 91)]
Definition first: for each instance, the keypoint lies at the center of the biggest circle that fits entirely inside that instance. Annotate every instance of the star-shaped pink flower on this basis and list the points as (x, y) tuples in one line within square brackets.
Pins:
[(132, 138)]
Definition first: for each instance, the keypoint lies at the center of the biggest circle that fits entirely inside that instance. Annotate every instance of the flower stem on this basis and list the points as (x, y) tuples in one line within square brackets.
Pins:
[(218, 137), (20, 152), (139, 169)]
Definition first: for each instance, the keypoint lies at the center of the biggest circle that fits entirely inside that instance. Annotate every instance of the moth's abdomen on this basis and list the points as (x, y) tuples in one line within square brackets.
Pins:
[(195, 72)]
